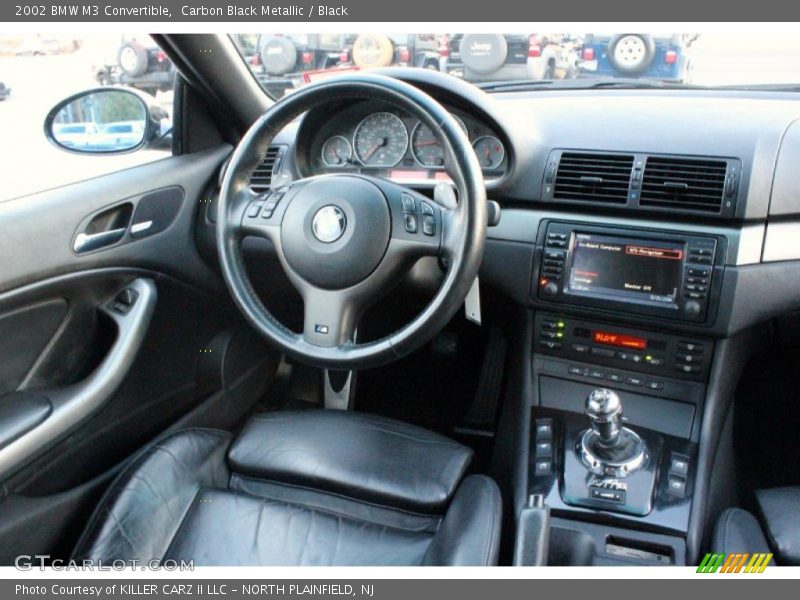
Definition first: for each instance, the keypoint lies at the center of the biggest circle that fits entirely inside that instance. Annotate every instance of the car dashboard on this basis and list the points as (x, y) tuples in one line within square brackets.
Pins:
[(647, 232)]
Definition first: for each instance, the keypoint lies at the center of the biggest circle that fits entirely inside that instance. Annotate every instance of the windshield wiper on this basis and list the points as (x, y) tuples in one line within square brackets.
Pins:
[(582, 84)]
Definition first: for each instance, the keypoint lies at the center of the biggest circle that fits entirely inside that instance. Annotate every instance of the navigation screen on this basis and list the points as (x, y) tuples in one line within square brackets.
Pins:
[(626, 268)]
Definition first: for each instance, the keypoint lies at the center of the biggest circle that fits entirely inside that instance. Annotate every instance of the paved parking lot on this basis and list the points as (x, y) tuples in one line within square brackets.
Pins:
[(30, 163)]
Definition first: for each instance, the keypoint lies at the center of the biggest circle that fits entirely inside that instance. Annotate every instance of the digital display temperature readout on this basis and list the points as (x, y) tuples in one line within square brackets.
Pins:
[(620, 340)]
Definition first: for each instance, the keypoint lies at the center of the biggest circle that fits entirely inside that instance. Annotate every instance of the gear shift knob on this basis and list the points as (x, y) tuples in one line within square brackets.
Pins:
[(604, 409)]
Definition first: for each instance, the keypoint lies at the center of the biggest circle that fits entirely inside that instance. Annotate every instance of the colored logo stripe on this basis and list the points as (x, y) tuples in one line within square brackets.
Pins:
[(734, 563)]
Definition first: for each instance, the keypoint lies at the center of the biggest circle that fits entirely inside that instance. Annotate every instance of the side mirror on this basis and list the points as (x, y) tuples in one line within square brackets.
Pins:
[(104, 121)]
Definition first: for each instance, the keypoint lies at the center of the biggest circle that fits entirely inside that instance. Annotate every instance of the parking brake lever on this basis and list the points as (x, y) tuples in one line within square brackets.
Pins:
[(533, 534)]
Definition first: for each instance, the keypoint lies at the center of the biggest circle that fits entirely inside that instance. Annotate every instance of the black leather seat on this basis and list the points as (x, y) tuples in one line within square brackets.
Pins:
[(739, 531), (301, 488)]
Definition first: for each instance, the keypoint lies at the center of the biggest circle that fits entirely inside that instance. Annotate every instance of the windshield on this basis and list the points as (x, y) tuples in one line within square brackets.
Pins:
[(284, 62)]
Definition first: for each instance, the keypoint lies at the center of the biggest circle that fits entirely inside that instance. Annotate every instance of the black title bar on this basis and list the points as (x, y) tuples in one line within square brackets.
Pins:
[(496, 11)]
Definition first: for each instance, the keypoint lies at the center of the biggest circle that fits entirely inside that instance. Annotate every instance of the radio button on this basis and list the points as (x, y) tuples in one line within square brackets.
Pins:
[(597, 374), (690, 358), (615, 377), (550, 345), (687, 369), (637, 381), (554, 255), (603, 352), (699, 272), (575, 370), (655, 361), (582, 348), (690, 346), (556, 244), (550, 289), (654, 385)]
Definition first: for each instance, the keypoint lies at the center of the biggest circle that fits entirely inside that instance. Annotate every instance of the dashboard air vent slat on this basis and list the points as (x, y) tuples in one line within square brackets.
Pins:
[(592, 177), (683, 183), (261, 178)]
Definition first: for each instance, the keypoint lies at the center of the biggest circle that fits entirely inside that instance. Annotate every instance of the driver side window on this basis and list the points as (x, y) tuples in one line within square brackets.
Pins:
[(88, 139)]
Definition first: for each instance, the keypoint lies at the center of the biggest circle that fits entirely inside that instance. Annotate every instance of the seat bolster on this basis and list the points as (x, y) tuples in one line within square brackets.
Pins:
[(780, 508), (738, 532), (359, 456), (144, 507), (470, 531)]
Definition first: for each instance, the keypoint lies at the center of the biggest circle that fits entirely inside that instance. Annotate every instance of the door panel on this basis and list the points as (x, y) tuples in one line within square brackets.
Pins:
[(24, 337), (117, 370)]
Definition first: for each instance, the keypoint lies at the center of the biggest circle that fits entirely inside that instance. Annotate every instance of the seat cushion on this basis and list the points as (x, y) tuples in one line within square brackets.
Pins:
[(195, 496), (224, 527), (738, 532), (357, 455), (780, 509), (144, 507)]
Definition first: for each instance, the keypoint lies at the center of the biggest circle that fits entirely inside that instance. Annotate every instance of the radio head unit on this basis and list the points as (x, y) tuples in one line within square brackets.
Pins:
[(652, 273)]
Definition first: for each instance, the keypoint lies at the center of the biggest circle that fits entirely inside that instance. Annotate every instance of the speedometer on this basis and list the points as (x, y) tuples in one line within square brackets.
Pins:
[(381, 140), (426, 147)]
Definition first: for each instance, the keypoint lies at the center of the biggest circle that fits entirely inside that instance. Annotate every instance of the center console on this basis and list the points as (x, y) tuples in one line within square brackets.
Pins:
[(620, 369)]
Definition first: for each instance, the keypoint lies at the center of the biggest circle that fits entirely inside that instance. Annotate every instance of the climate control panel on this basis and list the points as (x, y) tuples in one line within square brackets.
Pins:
[(665, 355)]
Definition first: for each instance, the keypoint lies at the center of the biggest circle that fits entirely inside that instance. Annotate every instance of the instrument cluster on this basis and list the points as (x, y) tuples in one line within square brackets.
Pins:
[(380, 140)]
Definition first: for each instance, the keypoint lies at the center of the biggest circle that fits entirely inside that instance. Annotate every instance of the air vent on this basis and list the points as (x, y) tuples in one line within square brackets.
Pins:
[(684, 184), (261, 178), (593, 177)]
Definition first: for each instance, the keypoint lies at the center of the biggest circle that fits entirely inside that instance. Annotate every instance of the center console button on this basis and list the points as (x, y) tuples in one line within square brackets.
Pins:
[(678, 465), (544, 449), (654, 385), (676, 486), (544, 429), (615, 377), (637, 381), (597, 374), (582, 348), (542, 467), (578, 371)]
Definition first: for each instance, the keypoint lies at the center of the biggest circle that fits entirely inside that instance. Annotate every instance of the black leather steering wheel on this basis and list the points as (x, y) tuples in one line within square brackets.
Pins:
[(342, 239)]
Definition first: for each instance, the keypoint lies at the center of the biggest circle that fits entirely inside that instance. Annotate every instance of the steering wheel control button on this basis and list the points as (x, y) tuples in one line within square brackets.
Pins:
[(329, 224), (410, 222), (255, 209), (409, 204), (321, 329)]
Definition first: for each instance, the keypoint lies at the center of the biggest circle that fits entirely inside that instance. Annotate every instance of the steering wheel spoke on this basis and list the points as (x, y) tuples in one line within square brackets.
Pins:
[(330, 316)]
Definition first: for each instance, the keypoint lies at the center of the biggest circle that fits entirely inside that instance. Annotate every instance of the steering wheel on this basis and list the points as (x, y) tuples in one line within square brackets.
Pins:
[(344, 239)]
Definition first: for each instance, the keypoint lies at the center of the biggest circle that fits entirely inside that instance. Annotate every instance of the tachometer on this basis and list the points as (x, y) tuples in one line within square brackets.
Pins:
[(337, 151), (380, 140), (490, 151), (426, 147)]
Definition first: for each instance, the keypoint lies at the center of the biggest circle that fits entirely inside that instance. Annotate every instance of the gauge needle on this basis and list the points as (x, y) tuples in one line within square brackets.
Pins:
[(429, 143), (380, 143)]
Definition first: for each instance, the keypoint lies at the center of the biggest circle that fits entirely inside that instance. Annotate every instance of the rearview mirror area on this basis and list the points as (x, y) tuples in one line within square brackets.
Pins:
[(102, 121)]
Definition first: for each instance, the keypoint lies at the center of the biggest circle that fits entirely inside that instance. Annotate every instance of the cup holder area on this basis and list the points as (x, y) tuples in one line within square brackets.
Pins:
[(577, 543)]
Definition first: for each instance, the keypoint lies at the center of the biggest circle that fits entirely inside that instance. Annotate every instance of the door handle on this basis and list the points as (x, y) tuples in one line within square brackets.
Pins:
[(85, 242)]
